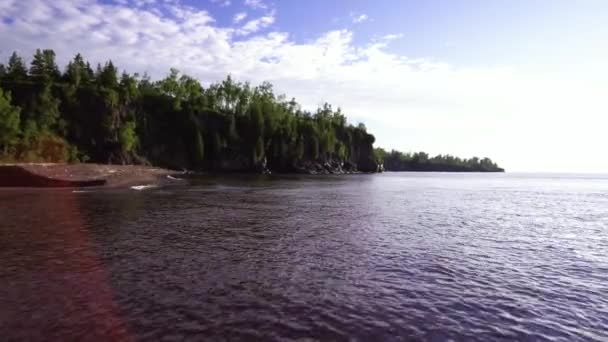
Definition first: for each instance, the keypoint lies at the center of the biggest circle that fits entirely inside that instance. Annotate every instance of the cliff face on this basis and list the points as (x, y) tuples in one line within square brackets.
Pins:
[(352, 153), (335, 166), (366, 161), (240, 164)]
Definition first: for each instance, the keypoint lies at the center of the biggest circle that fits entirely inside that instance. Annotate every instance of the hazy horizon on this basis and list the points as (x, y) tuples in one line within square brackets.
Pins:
[(523, 84)]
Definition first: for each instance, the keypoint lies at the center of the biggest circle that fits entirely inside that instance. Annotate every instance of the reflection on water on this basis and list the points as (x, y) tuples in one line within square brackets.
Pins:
[(383, 257), (54, 284)]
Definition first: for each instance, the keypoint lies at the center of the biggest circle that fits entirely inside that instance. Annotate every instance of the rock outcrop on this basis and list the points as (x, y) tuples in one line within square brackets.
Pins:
[(79, 175)]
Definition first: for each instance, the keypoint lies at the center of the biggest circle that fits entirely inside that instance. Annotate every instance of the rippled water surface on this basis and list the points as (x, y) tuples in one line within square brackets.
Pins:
[(364, 257)]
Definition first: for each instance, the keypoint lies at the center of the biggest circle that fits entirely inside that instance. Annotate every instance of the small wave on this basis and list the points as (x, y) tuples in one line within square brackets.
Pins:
[(174, 178), (143, 187)]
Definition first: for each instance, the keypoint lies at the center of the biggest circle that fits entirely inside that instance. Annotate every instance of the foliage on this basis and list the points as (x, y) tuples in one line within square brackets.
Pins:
[(44, 69), (45, 147), (44, 110), (420, 161), (16, 70), (128, 137), (9, 124)]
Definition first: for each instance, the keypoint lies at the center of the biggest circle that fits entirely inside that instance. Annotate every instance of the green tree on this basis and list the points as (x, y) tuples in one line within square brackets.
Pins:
[(170, 85), (16, 69), (129, 91), (9, 123), (108, 76), (44, 69), (78, 72), (45, 112), (128, 137)]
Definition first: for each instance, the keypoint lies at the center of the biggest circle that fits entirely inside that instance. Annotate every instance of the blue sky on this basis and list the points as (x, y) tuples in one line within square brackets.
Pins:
[(463, 32), (521, 81)]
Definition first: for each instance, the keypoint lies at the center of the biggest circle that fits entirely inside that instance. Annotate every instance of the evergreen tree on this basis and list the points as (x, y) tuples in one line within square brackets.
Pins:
[(78, 72), (44, 69), (9, 123), (108, 76), (16, 70), (45, 112)]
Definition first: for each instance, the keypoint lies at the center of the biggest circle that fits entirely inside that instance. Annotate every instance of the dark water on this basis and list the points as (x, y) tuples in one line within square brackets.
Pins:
[(366, 257)]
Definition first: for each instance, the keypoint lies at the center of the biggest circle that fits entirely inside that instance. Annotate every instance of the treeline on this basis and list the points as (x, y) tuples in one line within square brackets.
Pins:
[(100, 115), (86, 114), (420, 161)]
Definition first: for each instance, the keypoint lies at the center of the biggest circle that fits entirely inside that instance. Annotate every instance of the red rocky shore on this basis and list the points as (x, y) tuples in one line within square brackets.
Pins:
[(79, 175)]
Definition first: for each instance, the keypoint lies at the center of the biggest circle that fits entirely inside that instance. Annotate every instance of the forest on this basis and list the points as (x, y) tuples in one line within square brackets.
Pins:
[(99, 114), (422, 162)]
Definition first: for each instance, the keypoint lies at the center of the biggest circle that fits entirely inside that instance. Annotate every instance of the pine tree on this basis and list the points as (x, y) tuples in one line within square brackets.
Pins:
[(44, 69), (78, 72), (45, 112), (9, 123), (108, 76), (16, 70)]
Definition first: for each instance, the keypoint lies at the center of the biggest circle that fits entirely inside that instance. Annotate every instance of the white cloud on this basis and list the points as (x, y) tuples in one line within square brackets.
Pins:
[(256, 4), (141, 3), (358, 18), (392, 36), (222, 3), (524, 120), (239, 17), (258, 24)]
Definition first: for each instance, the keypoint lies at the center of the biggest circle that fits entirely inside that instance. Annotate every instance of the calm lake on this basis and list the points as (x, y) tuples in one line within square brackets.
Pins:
[(394, 256)]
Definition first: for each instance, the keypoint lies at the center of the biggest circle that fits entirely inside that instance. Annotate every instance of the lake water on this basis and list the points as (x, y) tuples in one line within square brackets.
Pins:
[(362, 257)]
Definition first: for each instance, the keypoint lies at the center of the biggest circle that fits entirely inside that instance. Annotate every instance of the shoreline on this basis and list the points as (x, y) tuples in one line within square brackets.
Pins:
[(84, 175), (48, 175)]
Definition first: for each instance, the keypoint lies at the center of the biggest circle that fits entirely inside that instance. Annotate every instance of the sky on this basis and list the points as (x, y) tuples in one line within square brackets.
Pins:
[(524, 82)]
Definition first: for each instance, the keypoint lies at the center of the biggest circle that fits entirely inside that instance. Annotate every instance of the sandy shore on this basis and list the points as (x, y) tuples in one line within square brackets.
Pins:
[(79, 175)]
